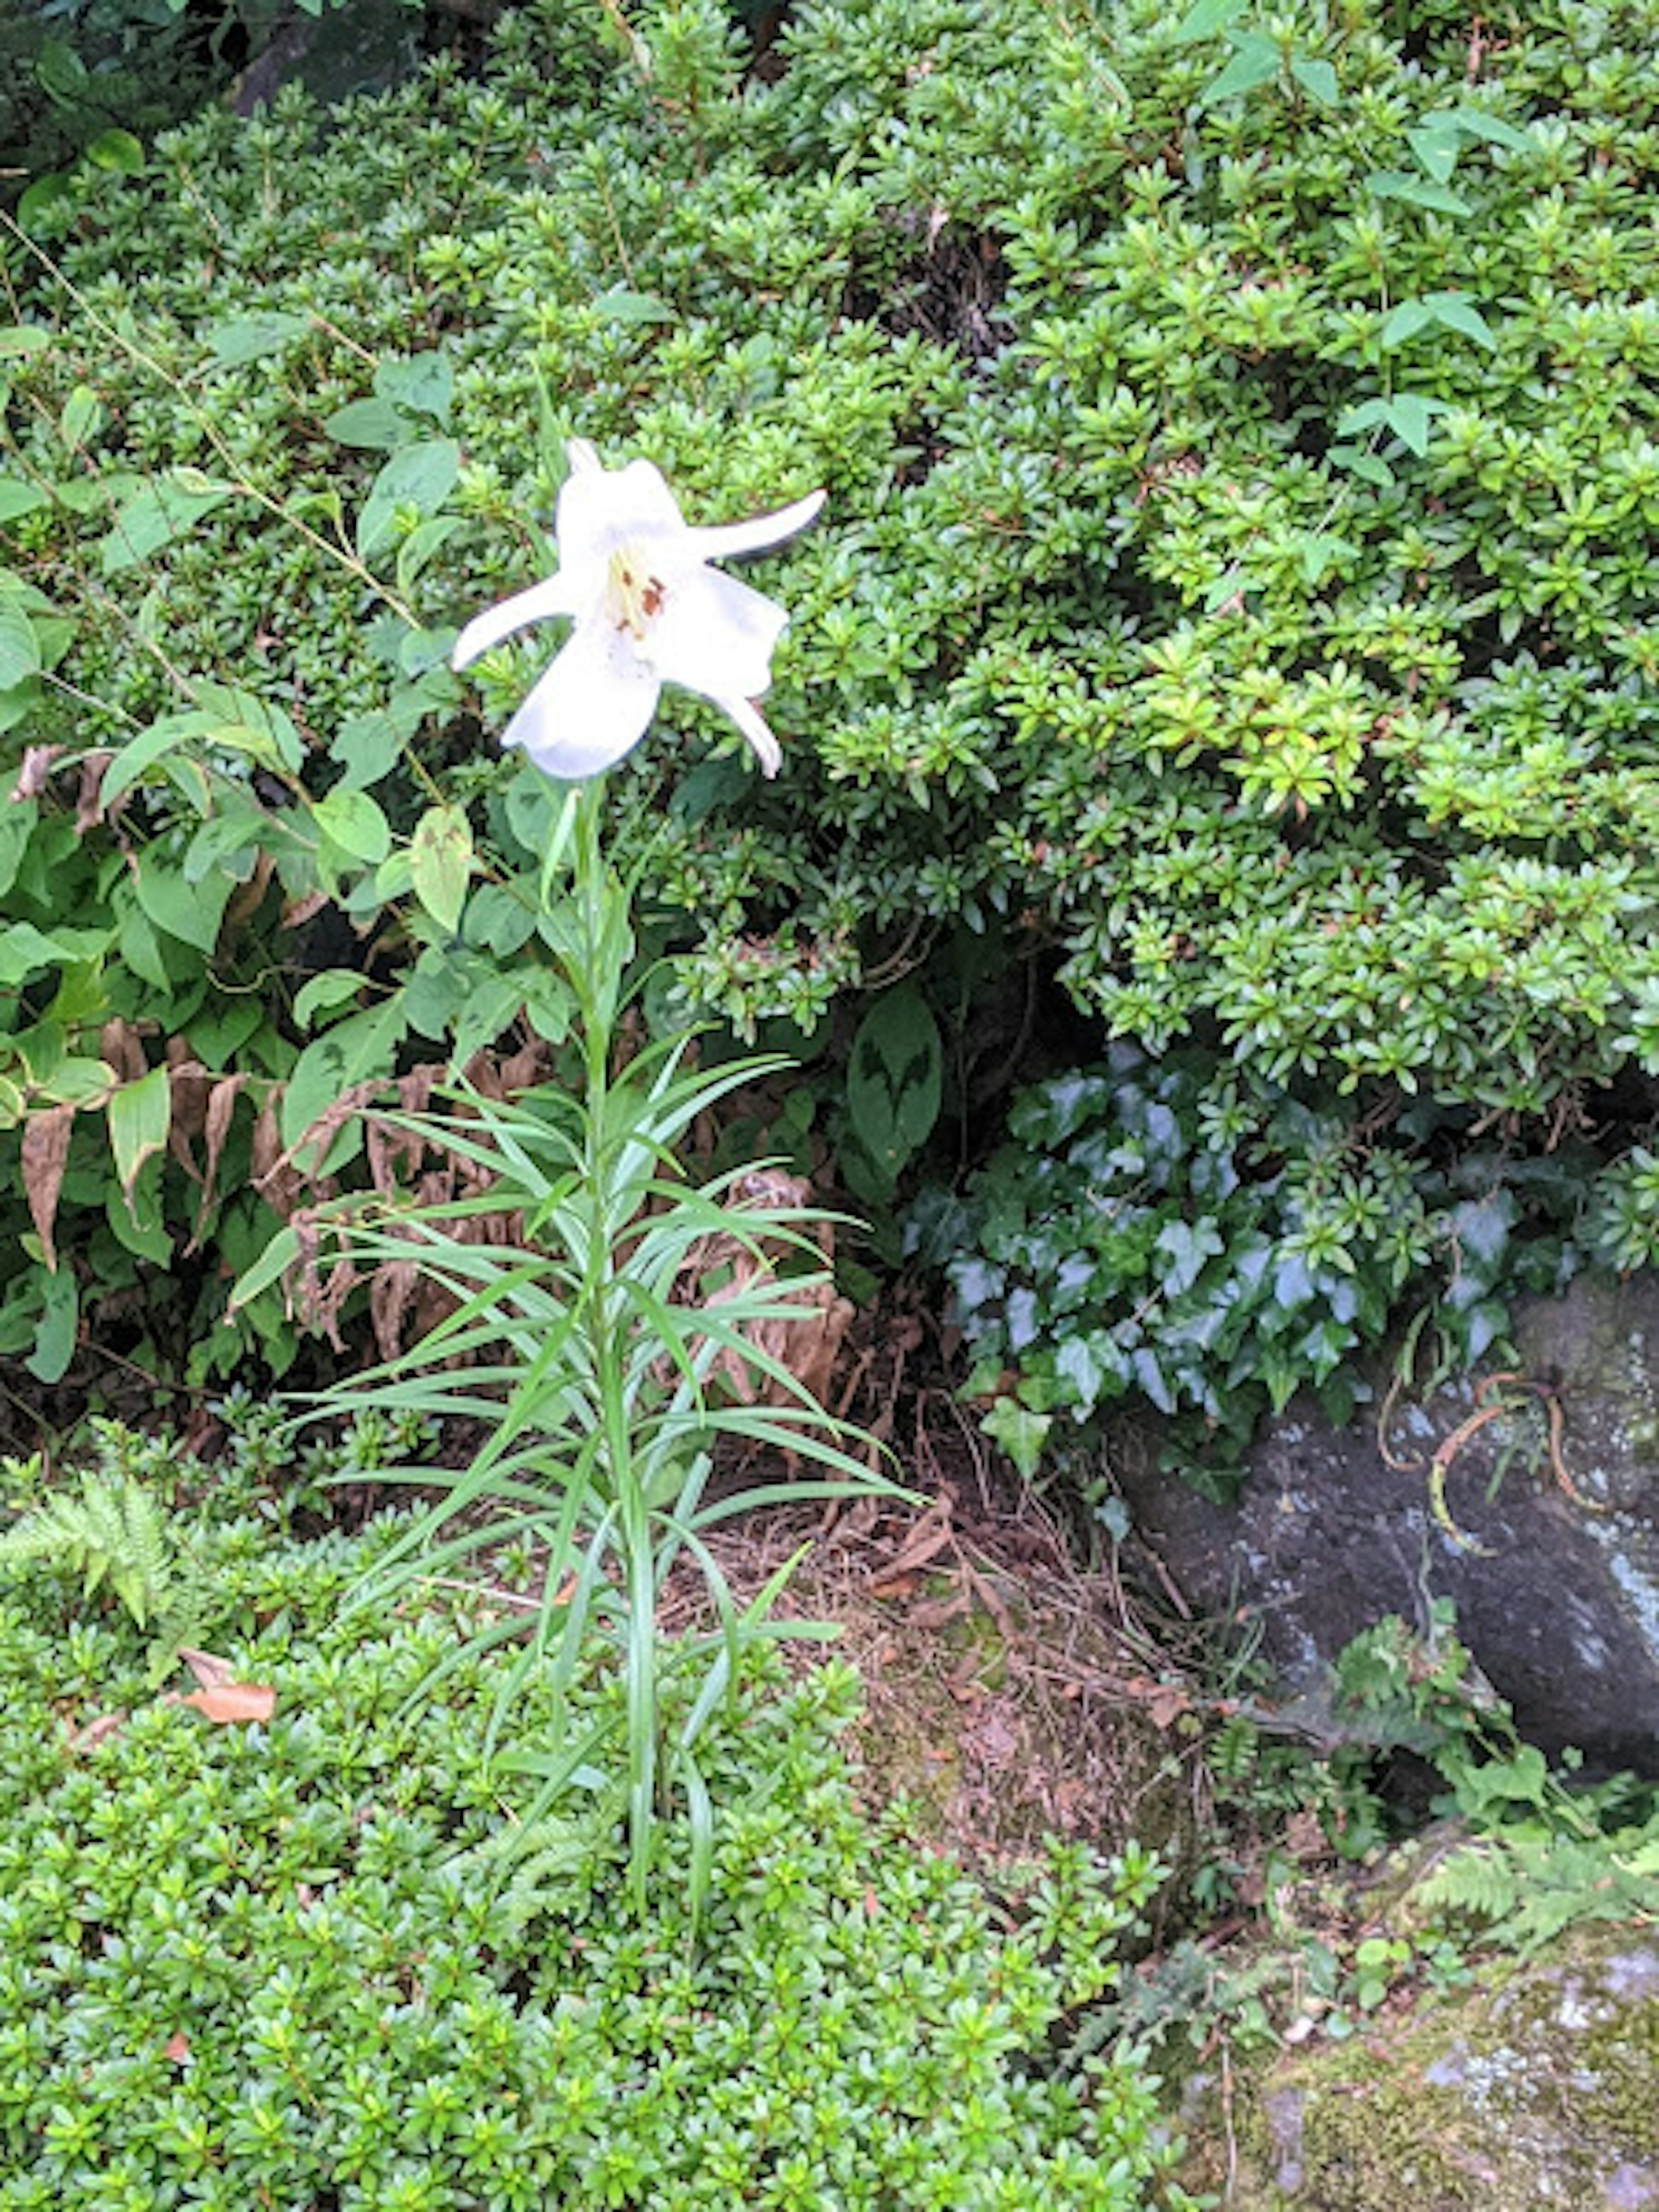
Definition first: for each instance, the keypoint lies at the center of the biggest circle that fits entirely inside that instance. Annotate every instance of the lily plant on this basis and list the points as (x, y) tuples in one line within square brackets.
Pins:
[(586, 1338)]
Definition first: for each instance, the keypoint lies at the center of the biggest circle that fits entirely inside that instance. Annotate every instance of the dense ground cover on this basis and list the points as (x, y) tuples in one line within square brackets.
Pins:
[(1237, 585), (267, 1961)]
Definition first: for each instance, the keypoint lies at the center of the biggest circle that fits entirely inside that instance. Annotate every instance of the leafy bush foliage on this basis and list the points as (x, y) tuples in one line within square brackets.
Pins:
[(1154, 1232), (243, 1965), (1238, 579)]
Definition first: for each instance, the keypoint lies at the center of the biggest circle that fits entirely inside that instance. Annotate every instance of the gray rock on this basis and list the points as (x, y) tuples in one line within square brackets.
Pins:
[(1556, 1581)]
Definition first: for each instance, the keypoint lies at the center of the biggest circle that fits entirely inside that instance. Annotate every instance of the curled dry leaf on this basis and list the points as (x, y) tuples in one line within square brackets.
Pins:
[(808, 1345), (89, 802), (46, 1155), (35, 772), (118, 1045), (232, 1702), (96, 1731), (218, 1695)]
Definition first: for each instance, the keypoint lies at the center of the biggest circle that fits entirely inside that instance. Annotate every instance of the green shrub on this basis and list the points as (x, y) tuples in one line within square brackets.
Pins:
[(1237, 581), (243, 1965)]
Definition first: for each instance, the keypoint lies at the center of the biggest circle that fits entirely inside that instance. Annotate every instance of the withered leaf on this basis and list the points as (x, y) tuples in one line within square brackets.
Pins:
[(46, 1155)]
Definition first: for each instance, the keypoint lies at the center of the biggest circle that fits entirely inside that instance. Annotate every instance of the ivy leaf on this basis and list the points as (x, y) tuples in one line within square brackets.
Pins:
[(1019, 1432), (1186, 1246)]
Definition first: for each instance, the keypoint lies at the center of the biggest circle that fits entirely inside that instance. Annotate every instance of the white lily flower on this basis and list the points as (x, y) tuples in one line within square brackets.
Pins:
[(634, 578)]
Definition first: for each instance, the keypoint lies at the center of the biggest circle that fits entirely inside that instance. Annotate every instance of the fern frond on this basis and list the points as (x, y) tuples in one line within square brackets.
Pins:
[(112, 1532)]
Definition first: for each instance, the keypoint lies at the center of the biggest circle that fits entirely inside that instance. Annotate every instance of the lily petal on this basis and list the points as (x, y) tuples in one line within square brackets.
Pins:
[(714, 635), (753, 724), (554, 596), (592, 705), (723, 541), (600, 509)]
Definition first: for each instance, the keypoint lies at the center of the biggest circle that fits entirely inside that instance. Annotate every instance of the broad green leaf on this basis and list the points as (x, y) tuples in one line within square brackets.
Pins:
[(353, 821), (894, 1076), (55, 1332), (43, 194), (1436, 149), (1406, 321), (1396, 185), (25, 951), (165, 508), (1455, 312), (118, 152), (1317, 78), (191, 912), (18, 339), (1205, 18), (358, 1049), (144, 751), (421, 476), (248, 338), (20, 649), (367, 746), (1254, 63), (250, 724), (421, 384), (17, 498), (81, 416), (441, 863), (1411, 415), (61, 73), (422, 542), (375, 424), (334, 987), (77, 1081), (139, 1116), (1493, 128), (620, 305)]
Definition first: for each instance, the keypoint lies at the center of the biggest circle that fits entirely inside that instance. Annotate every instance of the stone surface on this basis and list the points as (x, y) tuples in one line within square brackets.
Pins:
[(1557, 1595), (1530, 2091)]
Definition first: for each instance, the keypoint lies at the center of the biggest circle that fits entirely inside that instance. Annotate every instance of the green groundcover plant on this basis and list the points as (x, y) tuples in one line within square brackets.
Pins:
[(1156, 1231), (1240, 433), (262, 1962)]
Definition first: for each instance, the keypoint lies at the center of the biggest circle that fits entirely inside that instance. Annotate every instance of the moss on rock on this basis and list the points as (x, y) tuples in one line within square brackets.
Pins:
[(1531, 2089)]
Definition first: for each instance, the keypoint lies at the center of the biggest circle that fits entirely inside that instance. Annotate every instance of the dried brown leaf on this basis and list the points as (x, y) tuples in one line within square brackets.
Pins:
[(232, 1703), (89, 803), (46, 1155), (34, 772), (96, 1731), (215, 1127), (118, 1044)]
